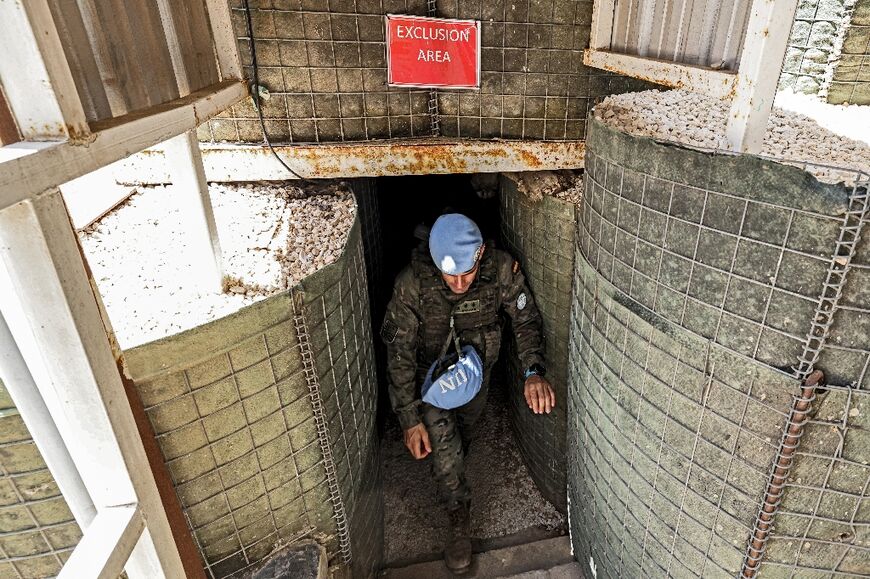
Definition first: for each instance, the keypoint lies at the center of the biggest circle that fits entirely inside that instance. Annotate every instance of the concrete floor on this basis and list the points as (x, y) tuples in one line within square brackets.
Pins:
[(505, 501)]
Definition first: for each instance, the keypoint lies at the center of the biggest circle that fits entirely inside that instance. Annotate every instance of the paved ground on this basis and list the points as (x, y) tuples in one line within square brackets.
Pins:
[(505, 500)]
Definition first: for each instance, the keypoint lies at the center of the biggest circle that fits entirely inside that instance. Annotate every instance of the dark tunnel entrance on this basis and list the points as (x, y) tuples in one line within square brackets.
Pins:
[(507, 507)]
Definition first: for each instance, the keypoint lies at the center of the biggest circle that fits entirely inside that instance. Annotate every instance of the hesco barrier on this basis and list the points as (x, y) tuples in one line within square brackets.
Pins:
[(325, 66), (37, 530), (266, 419), (707, 287), (540, 234)]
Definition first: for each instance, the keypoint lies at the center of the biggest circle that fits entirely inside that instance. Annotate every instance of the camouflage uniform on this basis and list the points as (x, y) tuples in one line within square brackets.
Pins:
[(415, 328)]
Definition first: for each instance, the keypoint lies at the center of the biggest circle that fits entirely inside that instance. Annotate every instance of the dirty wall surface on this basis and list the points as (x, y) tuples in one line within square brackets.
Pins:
[(324, 64), (540, 234), (698, 277)]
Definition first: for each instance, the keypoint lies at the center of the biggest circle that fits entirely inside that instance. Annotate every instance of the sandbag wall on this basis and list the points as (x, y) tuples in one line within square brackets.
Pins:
[(37, 529), (540, 234), (698, 279), (266, 421)]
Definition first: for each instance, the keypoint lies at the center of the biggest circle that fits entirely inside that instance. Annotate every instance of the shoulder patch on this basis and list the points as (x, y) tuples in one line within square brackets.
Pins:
[(516, 267), (521, 301), (389, 331)]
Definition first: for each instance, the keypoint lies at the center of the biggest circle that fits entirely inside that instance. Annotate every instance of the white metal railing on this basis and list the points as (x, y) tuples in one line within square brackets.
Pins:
[(58, 356), (728, 49)]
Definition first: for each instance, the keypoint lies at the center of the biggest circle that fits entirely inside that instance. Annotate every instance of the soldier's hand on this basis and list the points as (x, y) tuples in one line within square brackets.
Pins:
[(539, 395), (417, 441)]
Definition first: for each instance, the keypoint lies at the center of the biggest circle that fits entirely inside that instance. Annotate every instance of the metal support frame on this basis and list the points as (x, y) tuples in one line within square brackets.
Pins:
[(27, 168), (43, 99), (107, 544), (751, 90), (59, 358), (715, 83), (763, 52), (224, 37), (28, 401), (190, 186), (228, 163), (61, 331)]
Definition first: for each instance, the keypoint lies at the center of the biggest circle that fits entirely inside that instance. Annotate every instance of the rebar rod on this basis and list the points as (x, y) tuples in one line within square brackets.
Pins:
[(791, 437)]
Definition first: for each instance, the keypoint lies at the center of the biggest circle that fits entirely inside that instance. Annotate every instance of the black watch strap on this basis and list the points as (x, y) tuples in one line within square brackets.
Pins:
[(535, 370)]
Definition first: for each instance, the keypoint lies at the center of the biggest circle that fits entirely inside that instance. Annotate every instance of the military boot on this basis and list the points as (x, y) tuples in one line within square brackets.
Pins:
[(457, 553)]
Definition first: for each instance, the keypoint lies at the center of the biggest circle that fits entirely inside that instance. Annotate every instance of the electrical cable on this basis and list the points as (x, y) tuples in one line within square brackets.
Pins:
[(255, 93)]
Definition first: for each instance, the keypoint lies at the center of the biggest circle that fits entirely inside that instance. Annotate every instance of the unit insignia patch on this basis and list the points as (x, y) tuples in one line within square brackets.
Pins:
[(521, 301), (389, 331)]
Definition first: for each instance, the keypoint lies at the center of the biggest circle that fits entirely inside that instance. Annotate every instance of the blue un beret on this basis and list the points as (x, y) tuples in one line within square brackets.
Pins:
[(455, 243)]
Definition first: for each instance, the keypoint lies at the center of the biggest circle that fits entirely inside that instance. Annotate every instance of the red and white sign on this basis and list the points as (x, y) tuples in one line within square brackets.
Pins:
[(433, 52)]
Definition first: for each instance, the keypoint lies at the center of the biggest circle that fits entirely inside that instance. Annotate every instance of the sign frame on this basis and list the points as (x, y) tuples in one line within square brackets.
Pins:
[(390, 82)]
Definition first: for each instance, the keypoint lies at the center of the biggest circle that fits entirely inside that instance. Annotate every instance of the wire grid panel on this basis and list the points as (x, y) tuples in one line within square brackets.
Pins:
[(672, 438), (645, 199), (851, 75), (239, 437), (337, 315), (716, 253), (37, 530), (533, 82), (540, 234), (324, 64), (823, 525), (239, 429), (812, 45)]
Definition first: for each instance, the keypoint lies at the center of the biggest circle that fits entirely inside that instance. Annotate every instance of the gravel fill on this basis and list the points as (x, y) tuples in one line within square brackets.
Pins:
[(505, 500), (566, 185), (699, 121), (271, 237)]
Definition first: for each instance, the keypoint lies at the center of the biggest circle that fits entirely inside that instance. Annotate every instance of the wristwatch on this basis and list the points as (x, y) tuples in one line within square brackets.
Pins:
[(535, 370)]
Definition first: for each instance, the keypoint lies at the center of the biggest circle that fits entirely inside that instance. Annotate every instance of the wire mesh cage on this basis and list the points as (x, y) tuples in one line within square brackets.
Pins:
[(709, 287)]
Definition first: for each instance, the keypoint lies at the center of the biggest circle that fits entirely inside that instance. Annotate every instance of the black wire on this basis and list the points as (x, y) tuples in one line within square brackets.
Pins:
[(255, 93)]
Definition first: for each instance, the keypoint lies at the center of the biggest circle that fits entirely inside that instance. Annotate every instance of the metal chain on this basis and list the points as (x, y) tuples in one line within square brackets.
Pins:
[(434, 113), (823, 319), (832, 290), (320, 424)]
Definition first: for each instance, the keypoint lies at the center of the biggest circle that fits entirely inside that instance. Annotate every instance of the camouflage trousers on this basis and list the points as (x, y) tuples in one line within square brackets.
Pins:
[(450, 434)]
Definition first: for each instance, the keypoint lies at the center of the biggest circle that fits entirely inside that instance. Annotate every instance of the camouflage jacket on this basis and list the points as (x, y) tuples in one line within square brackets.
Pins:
[(417, 322)]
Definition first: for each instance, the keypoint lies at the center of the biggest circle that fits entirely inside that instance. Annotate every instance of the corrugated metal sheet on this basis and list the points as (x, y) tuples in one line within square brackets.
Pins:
[(697, 32)]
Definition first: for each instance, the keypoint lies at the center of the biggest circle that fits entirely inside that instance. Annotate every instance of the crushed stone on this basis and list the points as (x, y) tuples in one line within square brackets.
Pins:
[(504, 500), (699, 121), (271, 237), (566, 185)]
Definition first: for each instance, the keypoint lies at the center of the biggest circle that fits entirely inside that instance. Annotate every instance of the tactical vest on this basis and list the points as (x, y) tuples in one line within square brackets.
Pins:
[(476, 313)]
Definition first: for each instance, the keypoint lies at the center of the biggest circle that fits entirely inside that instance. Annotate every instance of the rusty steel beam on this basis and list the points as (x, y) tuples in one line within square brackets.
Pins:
[(224, 163)]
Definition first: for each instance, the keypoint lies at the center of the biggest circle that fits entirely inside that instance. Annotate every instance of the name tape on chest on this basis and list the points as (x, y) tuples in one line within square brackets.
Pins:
[(468, 307)]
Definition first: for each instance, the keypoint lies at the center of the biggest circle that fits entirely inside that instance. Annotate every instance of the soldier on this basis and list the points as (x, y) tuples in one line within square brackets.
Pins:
[(456, 291)]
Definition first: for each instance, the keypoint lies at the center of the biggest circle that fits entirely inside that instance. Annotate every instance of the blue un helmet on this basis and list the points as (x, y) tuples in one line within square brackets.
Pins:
[(455, 243)]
